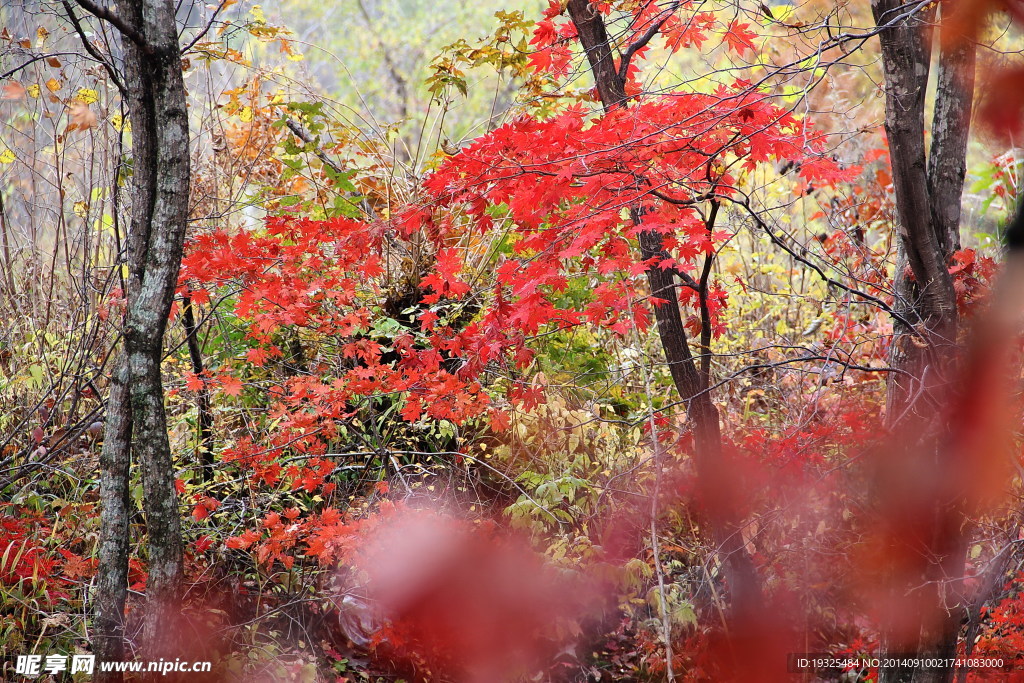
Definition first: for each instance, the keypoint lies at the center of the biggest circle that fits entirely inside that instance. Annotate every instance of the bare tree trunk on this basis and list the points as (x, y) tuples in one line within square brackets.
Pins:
[(156, 98), (926, 291), (744, 584), (136, 427), (8, 261), (928, 193), (692, 387), (112, 578), (204, 451)]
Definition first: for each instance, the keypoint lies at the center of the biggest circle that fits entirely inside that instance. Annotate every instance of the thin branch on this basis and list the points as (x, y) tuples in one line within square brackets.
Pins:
[(702, 295), (93, 52), (304, 135), (643, 40), (206, 29), (778, 241), (846, 365), (36, 58), (108, 16)]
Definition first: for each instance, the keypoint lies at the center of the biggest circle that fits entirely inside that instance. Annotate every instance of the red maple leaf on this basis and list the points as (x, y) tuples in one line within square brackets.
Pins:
[(739, 38), (231, 386)]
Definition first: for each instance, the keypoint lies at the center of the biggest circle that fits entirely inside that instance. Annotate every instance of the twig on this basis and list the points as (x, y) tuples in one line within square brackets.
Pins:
[(206, 29), (93, 51), (832, 281), (643, 40), (117, 22), (304, 135)]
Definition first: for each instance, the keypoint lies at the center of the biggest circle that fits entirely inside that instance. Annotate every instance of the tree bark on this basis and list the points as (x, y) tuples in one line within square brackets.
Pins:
[(157, 110), (136, 420), (923, 284), (928, 188), (204, 418), (741, 572), (954, 99), (112, 577)]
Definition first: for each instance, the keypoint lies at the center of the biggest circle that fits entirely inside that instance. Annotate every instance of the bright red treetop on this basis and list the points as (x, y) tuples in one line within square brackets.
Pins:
[(564, 190)]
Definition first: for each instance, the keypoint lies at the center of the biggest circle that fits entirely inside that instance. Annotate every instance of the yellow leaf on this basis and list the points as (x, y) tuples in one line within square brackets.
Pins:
[(257, 14), (53, 85), (87, 96), (120, 123), (81, 209), (6, 156), (106, 223), (245, 114), (33, 90)]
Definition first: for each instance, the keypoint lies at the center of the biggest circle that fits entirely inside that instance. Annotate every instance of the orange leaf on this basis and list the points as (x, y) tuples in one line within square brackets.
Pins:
[(232, 386), (82, 117), (193, 382), (12, 91)]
